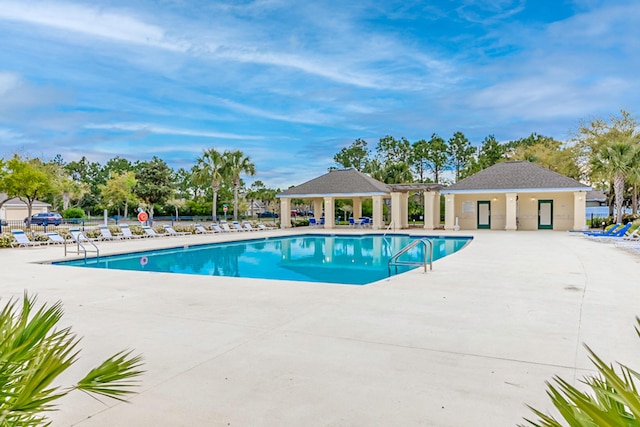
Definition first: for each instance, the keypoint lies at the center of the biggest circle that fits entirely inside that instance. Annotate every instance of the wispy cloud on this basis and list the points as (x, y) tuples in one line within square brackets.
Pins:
[(88, 20), (163, 130)]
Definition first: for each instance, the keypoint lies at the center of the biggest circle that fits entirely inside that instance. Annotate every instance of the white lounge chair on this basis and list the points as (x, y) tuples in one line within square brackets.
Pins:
[(225, 227), (23, 240), (79, 236), (171, 232), (264, 227), (54, 238), (105, 233), (201, 230), (217, 228), (247, 226), (127, 234), (151, 232), (237, 226)]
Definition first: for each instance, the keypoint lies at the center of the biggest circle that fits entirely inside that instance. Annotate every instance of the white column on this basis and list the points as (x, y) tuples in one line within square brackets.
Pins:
[(429, 221), (377, 213), (449, 212), (317, 209), (329, 213), (512, 212), (357, 207), (404, 216), (285, 213), (579, 210), (396, 210)]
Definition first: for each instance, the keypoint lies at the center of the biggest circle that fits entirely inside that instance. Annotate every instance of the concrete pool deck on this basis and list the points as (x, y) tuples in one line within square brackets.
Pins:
[(470, 343)]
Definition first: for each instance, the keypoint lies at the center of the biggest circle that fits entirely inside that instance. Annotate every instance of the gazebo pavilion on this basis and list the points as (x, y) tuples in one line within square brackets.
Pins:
[(356, 186)]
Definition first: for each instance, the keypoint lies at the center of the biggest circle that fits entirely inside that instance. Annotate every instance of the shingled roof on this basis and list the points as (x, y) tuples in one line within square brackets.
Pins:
[(338, 182), (520, 176)]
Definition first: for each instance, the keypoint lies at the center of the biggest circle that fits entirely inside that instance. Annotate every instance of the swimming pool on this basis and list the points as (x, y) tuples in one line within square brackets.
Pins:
[(352, 260)]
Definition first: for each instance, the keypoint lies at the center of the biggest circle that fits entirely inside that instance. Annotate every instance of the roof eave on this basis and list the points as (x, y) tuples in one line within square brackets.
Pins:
[(334, 195), (517, 190)]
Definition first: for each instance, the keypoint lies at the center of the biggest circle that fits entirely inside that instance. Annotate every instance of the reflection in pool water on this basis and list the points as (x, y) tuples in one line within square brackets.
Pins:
[(354, 260)]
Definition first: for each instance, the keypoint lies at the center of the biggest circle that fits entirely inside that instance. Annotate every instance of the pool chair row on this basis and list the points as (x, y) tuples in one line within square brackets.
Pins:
[(125, 233), (615, 233), (224, 227)]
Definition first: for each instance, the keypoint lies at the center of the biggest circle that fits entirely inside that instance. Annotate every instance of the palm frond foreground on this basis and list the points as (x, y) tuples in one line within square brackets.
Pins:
[(33, 353), (613, 401)]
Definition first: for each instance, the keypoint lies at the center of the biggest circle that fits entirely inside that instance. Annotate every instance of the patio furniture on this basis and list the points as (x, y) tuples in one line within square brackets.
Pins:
[(127, 234), (105, 233), (171, 232), (201, 230), (151, 232), (54, 238), (23, 240)]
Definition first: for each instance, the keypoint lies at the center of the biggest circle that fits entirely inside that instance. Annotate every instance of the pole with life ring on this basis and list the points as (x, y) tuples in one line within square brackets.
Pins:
[(143, 216)]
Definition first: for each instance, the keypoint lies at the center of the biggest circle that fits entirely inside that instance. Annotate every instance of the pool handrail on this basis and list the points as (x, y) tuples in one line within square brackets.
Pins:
[(428, 250)]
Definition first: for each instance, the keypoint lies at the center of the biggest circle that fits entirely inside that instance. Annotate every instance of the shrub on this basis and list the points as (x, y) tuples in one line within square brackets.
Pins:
[(6, 239), (73, 213)]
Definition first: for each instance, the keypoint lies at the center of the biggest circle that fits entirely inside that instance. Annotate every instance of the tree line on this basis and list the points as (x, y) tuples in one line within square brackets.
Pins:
[(603, 153), (120, 184)]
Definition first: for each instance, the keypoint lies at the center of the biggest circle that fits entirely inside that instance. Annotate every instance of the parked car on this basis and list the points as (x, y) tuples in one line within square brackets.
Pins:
[(51, 218), (267, 215)]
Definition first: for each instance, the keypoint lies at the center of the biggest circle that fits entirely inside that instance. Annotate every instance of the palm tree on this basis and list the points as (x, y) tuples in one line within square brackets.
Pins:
[(236, 163), (613, 401), (210, 169), (615, 162), (34, 353)]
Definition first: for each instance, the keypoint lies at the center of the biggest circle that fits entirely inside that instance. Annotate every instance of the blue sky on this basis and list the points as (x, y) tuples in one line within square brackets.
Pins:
[(292, 82)]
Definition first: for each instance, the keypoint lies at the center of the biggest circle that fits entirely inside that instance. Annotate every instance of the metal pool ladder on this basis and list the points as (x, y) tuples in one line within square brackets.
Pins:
[(428, 256), (81, 237)]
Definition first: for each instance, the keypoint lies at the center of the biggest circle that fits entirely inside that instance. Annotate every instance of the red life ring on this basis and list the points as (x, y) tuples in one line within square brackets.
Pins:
[(144, 261), (142, 216)]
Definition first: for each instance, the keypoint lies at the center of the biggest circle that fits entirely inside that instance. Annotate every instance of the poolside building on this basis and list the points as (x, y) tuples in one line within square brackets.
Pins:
[(356, 186), (516, 195)]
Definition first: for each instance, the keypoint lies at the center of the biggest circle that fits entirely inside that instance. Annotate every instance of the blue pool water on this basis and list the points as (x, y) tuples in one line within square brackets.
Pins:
[(353, 260)]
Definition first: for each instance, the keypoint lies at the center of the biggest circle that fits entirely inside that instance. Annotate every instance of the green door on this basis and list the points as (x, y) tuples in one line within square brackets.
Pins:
[(545, 214), (484, 214)]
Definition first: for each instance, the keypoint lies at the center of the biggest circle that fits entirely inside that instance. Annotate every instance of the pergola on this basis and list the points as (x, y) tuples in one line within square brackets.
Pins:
[(356, 186)]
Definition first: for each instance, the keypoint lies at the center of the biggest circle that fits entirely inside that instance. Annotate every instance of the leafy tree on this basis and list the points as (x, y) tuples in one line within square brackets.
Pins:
[(35, 353), (419, 156), (391, 150), (236, 163), (546, 152), (398, 173), (614, 400), (593, 136), (209, 169), (28, 179), (3, 186), (91, 175), (154, 183), (615, 161), (437, 156), (117, 165), (118, 191), (460, 152), (491, 152), (376, 170), (355, 156), (255, 193)]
